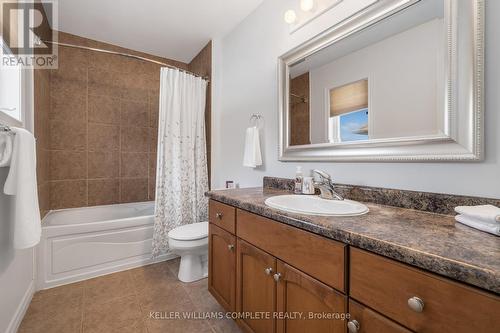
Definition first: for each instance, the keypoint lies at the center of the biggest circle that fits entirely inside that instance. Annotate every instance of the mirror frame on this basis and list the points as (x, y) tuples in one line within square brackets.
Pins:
[(464, 97)]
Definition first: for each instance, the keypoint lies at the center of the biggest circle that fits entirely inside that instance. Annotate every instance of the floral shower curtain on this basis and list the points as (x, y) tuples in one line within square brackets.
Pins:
[(181, 176)]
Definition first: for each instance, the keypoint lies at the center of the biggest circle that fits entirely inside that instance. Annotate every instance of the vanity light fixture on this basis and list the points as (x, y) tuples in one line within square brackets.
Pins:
[(306, 5), (290, 16)]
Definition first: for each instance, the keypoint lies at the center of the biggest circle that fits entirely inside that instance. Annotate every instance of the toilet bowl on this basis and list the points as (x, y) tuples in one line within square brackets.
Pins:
[(190, 242)]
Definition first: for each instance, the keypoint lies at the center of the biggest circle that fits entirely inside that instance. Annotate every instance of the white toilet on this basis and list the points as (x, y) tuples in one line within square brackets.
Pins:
[(190, 242)]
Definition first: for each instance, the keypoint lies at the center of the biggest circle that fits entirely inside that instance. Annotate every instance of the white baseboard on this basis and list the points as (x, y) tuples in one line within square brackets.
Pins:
[(21, 309)]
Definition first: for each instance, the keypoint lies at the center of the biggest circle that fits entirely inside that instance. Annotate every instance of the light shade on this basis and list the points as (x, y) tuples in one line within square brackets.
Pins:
[(306, 5), (290, 16)]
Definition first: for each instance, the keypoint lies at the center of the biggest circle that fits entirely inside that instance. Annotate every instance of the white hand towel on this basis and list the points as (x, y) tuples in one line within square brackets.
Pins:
[(5, 148), (252, 157), (490, 227), (486, 213), (21, 183)]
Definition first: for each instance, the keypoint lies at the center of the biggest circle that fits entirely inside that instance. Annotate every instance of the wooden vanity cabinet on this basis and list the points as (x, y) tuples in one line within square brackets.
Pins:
[(255, 288), (283, 299), (269, 272), (419, 300), (222, 266), (321, 307)]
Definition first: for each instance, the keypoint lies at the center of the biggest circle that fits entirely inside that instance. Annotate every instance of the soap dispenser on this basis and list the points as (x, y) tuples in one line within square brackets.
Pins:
[(299, 179)]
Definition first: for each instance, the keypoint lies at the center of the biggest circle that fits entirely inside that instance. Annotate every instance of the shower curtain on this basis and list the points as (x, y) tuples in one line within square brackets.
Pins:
[(181, 176)]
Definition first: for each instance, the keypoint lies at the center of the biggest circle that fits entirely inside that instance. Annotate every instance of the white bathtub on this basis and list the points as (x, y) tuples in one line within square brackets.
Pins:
[(82, 243)]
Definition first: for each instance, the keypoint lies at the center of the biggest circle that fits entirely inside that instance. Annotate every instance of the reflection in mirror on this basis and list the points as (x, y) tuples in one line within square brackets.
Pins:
[(348, 119), (385, 82)]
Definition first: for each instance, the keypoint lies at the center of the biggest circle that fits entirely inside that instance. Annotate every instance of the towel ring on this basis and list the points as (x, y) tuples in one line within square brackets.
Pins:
[(255, 119)]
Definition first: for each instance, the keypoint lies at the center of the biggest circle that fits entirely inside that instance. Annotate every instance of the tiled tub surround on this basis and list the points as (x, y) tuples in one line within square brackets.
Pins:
[(426, 240), (103, 125)]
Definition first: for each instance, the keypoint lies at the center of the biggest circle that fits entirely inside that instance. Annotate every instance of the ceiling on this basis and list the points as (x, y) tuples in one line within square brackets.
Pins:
[(175, 29)]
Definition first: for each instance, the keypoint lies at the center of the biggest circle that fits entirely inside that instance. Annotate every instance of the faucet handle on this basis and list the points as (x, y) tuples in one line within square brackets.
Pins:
[(323, 175)]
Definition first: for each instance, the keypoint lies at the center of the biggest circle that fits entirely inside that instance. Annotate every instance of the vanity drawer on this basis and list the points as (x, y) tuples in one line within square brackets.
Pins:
[(316, 256), (365, 320), (387, 286), (222, 215)]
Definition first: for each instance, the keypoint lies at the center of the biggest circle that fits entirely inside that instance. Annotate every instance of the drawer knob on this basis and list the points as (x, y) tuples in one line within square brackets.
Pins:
[(219, 215), (353, 326), (416, 304), (230, 247), (277, 277), (268, 271)]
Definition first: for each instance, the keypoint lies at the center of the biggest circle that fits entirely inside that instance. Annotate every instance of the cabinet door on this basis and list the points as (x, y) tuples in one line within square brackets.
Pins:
[(365, 320), (256, 289), (306, 305), (222, 267)]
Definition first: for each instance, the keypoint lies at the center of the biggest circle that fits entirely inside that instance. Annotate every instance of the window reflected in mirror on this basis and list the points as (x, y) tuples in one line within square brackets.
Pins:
[(348, 119)]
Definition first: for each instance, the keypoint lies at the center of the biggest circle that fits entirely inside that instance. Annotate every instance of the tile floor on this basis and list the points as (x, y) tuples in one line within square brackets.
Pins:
[(122, 302)]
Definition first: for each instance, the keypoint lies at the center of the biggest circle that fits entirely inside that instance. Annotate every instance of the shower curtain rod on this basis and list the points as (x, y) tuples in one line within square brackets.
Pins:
[(128, 56)]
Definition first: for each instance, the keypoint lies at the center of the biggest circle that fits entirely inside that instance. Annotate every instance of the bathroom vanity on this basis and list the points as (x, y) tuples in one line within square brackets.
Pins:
[(391, 270)]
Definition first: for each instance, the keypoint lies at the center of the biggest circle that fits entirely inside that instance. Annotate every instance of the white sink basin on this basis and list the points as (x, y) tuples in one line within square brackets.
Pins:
[(314, 205)]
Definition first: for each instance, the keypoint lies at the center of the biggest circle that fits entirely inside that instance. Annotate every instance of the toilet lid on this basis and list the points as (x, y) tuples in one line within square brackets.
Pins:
[(190, 231)]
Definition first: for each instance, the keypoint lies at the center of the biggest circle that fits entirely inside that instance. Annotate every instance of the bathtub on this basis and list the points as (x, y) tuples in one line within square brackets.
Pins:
[(81, 243)]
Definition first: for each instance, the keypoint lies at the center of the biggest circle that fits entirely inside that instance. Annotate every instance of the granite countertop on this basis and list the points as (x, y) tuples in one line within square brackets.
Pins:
[(426, 240)]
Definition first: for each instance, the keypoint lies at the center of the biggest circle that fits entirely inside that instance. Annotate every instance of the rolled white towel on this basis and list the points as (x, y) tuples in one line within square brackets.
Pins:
[(486, 213), (490, 227)]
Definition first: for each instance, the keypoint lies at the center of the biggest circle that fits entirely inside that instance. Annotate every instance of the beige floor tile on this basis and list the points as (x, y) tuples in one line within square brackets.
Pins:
[(173, 265), (150, 276), (106, 288), (126, 302), (118, 315), (68, 320)]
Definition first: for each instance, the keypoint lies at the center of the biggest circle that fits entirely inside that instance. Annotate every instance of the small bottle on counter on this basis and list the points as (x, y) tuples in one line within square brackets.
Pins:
[(308, 187), (299, 180)]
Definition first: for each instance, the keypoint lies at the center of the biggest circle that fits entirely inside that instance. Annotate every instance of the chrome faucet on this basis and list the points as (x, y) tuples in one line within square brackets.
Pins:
[(326, 186)]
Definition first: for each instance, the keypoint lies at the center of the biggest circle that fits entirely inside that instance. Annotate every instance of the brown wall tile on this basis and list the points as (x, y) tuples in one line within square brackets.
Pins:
[(133, 190), (68, 165), (151, 188), (134, 165), (104, 192), (68, 135), (44, 198), (104, 83), (134, 139), (153, 139), (134, 113), (104, 137), (42, 164), (104, 109), (68, 194), (69, 106), (104, 164)]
